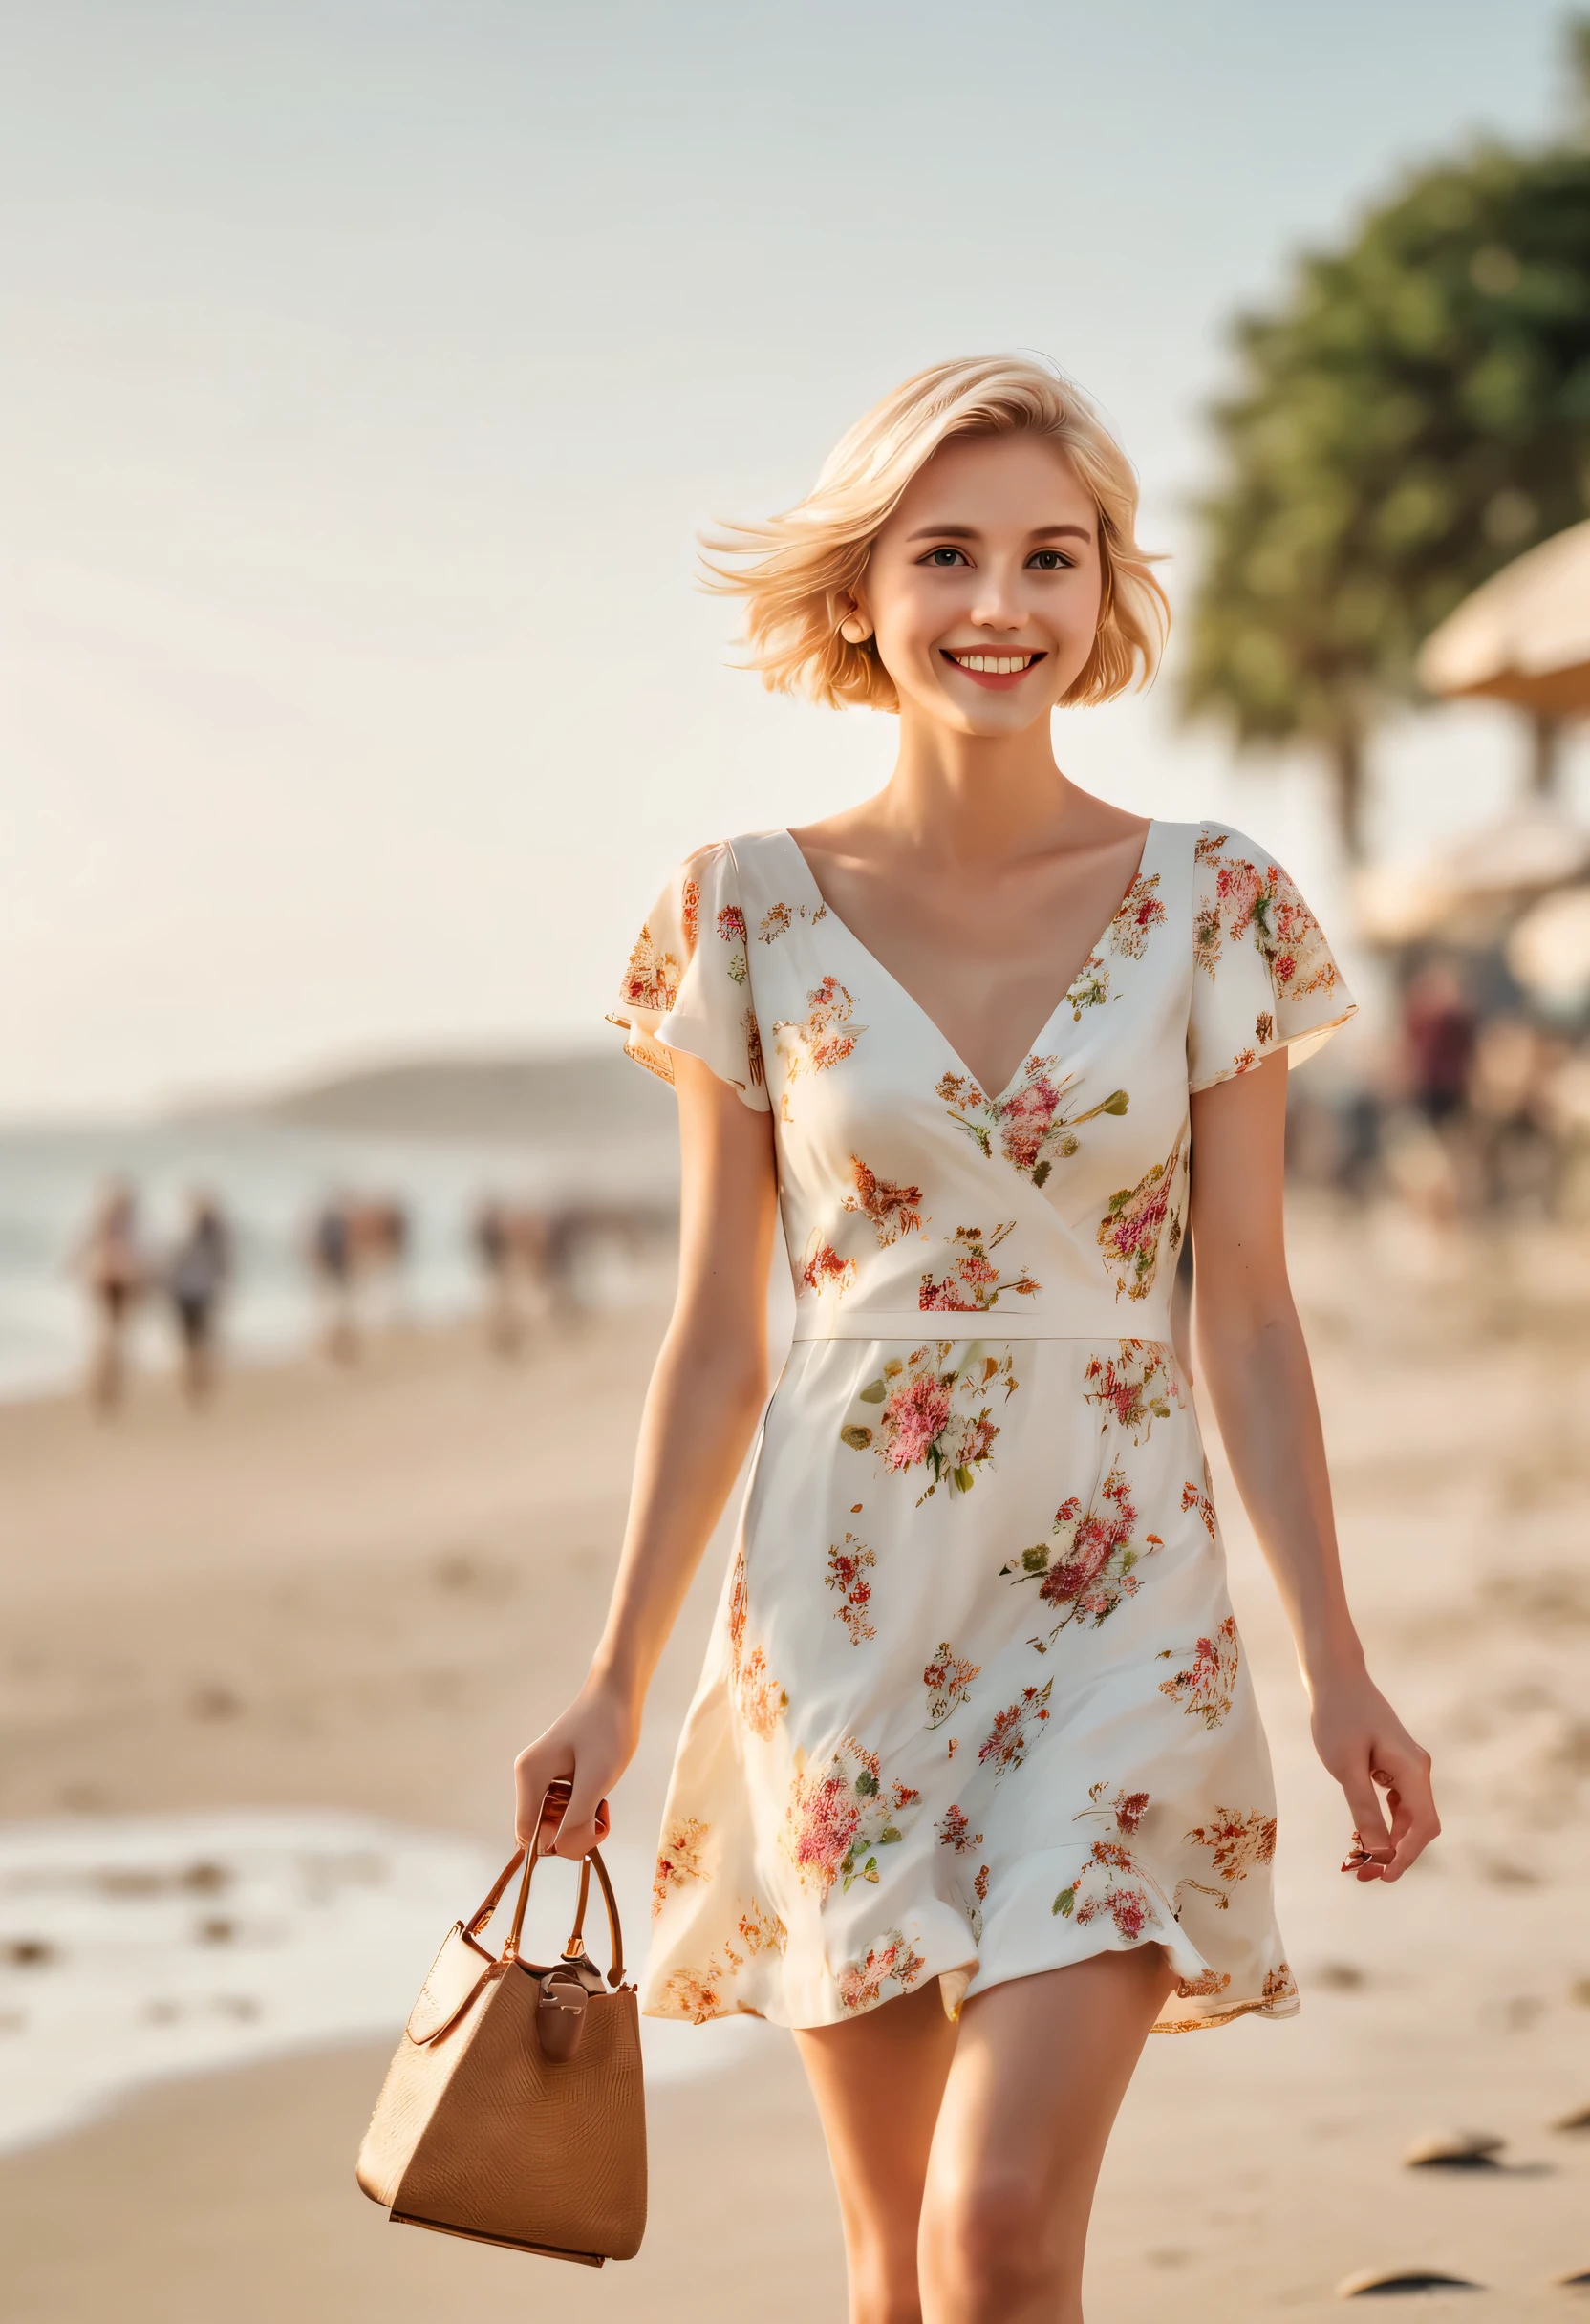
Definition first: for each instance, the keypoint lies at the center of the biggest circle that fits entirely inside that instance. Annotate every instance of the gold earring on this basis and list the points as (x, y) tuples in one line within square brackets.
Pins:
[(856, 631)]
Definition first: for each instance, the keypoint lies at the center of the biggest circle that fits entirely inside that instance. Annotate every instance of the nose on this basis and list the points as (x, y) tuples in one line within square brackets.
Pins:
[(998, 604)]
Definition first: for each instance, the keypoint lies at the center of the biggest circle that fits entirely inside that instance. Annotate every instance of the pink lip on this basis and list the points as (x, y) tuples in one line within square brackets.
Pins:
[(992, 679)]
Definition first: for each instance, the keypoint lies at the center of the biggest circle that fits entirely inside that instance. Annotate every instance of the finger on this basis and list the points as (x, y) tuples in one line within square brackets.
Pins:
[(1369, 1829), (534, 1768), (1415, 1822), (577, 1832)]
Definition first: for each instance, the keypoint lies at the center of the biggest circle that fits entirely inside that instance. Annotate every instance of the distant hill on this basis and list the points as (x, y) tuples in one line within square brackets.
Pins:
[(599, 1095)]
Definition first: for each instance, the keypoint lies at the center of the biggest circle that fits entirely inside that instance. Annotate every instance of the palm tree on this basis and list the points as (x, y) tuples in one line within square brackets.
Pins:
[(1414, 413)]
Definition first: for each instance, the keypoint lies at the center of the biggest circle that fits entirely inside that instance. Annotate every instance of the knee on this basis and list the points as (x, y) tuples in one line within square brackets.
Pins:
[(991, 2240)]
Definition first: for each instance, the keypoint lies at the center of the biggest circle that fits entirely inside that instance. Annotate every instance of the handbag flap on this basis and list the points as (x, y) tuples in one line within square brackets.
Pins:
[(457, 1975)]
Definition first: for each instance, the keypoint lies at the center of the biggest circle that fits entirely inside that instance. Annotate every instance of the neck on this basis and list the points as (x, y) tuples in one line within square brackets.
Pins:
[(969, 796)]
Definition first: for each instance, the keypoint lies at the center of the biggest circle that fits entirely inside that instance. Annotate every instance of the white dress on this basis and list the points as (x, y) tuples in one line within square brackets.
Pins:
[(975, 1704)]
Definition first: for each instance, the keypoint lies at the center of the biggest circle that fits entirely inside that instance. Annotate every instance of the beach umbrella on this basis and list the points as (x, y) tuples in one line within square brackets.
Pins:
[(1524, 635)]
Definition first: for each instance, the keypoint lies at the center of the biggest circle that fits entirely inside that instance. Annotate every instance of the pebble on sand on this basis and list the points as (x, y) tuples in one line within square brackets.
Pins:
[(1455, 2150)]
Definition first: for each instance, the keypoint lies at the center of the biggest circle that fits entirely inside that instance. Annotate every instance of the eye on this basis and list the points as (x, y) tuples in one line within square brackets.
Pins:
[(1050, 561), (945, 558)]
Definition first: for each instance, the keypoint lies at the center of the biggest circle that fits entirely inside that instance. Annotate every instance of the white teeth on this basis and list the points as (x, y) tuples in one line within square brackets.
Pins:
[(992, 665)]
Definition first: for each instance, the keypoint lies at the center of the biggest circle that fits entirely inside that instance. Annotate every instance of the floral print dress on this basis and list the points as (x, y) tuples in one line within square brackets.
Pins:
[(975, 1704)]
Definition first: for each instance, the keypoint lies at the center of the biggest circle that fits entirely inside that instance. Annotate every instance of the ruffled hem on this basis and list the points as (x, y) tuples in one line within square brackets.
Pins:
[(1279, 1998)]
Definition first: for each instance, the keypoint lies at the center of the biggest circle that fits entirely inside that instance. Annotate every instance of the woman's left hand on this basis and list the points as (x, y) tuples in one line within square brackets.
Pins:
[(1361, 1739)]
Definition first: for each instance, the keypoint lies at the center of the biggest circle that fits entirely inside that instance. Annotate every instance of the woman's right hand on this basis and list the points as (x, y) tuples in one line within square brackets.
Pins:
[(589, 1747)]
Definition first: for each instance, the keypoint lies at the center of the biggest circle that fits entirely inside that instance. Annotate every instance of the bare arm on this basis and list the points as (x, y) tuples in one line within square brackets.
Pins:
[(1255, 1367), (706, 1394)]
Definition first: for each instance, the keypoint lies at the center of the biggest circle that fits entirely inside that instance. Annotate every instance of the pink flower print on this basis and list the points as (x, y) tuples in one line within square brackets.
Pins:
[(1139, 910), (731, 927), (1033, 1133), (1112, 1883), (847, 1570), (1009, 1739), (916, 1416), (1205, 1686), (1138, 1218), (1027, 1119), (825, 1036), (972, 1285), (1265, 908), (892, 1962), (948, 1679), (928, 1420), (1135, 1388), (839, 1816), (1096, 1566)]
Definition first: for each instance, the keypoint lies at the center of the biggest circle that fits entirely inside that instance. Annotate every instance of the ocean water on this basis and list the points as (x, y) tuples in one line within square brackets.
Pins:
[(269, 1178), (137, 1948)]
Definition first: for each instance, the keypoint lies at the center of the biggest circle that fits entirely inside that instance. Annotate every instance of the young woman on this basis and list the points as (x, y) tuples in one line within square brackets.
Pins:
[(973, 1793)]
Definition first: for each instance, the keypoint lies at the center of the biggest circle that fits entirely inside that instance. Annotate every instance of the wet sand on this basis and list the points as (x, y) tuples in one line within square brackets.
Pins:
[(366, 1591)]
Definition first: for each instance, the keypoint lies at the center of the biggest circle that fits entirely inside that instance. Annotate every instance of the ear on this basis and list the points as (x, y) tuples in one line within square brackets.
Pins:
[(851, 620)]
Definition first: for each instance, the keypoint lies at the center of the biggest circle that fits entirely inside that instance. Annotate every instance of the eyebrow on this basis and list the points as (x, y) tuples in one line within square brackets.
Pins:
[(970, 533)]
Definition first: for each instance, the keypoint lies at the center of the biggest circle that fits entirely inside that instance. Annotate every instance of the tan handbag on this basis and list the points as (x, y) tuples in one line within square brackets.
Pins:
[(513, 2112)]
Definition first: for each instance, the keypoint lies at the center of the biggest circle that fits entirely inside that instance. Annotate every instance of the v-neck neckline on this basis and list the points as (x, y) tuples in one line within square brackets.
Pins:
[(1032, 1047)]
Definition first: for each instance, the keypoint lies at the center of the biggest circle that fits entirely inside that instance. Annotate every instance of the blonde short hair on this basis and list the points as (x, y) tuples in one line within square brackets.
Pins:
[(796, 566)]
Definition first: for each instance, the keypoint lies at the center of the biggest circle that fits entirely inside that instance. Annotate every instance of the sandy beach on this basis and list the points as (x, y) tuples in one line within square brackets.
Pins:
[(365, 1592)]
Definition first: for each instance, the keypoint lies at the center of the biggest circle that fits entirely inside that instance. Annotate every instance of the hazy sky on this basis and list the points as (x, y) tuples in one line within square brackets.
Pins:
[(368, 370)]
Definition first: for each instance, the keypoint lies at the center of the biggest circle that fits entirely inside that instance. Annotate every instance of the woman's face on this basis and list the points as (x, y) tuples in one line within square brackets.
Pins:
[(983, 587)]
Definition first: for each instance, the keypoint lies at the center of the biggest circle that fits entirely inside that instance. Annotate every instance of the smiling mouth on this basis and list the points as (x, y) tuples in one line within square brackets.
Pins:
[(1002, 670)]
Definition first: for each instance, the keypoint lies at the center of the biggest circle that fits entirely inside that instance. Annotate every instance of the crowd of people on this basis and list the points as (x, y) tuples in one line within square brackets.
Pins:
[(532, 1259)]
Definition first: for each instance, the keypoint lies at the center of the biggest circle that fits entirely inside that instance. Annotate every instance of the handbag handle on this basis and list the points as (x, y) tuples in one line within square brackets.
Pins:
[(575, 1944)]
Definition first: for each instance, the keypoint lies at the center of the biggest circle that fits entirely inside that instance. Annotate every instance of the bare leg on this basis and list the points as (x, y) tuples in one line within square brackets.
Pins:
[(966, 2158), (878, 2081), (1039, 2071)]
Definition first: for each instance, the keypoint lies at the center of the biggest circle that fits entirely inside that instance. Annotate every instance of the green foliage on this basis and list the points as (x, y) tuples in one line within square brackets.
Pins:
[(1413, 414)]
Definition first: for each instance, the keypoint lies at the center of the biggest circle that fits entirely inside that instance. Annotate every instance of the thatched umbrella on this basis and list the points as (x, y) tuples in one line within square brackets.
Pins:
[(1523, 637)]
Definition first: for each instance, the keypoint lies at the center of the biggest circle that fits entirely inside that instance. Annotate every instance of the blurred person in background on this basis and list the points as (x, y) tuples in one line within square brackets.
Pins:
[(330, 1250), (110, 1263), (197, 1271), (1440, 1027), (1429, 1152), (512, 1243)]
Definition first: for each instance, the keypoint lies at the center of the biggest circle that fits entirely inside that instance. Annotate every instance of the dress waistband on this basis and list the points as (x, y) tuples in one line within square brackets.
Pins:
[(960, 1324)]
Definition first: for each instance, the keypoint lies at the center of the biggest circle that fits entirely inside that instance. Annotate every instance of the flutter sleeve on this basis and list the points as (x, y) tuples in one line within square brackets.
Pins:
[(688, 985), (1263, 977)]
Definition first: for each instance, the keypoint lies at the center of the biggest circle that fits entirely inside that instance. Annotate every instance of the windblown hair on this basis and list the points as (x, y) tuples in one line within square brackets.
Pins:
[(793, 569)]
